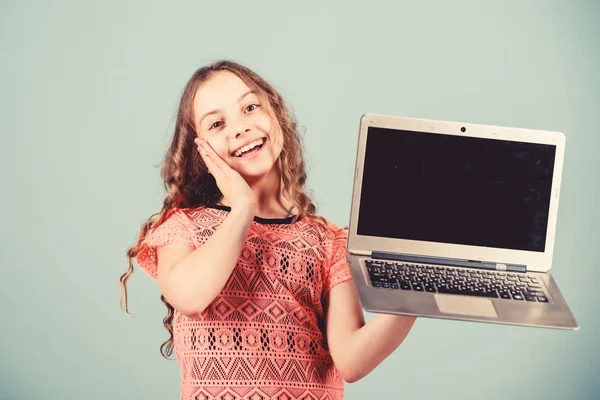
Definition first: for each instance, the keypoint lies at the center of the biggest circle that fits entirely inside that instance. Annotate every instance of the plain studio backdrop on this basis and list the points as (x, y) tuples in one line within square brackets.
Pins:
[(88, 97)]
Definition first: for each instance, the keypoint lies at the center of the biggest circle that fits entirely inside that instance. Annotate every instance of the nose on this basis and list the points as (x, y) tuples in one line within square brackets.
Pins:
[(241, 130), (239, 126)]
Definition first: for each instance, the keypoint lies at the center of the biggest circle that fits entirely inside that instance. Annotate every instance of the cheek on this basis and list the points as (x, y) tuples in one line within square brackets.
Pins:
[(271, 128), (264, 122), (276, 138)]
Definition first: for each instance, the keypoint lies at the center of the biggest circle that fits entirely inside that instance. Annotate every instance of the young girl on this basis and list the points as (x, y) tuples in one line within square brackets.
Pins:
[(260, 299)]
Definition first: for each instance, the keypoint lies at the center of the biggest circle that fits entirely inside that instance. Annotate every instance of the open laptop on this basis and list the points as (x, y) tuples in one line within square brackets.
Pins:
[(457, 221)]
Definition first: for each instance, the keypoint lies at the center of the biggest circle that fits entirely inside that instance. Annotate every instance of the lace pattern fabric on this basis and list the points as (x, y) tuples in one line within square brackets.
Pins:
[(262, 336)]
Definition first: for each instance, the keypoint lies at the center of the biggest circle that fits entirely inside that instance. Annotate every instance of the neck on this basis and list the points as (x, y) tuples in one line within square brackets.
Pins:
[(270, 201)]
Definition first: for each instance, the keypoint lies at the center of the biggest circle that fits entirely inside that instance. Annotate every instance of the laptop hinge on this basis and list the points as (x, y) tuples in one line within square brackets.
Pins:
[(453, 262)]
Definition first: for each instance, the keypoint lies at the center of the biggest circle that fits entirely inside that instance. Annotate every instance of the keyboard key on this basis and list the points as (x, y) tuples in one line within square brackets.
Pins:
[(532, 293), (454, 280), (478, 293), (382, 280)]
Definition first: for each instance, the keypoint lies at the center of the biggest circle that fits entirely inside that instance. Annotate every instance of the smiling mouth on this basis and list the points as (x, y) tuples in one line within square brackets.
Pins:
[(250, 148)]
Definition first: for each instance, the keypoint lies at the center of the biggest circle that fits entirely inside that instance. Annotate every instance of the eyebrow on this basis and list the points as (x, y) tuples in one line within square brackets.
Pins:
[(217, 111)]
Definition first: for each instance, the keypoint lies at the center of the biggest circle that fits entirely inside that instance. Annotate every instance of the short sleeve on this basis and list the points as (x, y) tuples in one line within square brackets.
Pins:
[(175, 229), (337, 269)]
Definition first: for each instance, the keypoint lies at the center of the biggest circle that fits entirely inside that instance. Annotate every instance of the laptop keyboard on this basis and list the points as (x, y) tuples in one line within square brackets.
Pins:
[(470, 282)]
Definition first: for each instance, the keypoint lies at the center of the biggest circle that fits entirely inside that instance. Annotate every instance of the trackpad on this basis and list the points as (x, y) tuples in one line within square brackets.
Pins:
[(474, 306)]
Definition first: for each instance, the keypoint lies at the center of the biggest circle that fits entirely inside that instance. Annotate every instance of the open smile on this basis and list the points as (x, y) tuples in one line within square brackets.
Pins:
[(249, 149)]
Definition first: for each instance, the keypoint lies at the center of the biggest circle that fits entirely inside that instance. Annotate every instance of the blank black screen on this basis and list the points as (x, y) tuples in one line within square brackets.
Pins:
[(456, 189)]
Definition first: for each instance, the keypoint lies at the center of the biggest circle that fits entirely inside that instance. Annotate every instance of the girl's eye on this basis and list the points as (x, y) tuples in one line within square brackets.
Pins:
[(215, 125), (251, 107)]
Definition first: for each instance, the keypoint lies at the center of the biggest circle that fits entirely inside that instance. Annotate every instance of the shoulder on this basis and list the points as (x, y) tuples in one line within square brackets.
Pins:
[(335, 268), (188, 226), (194, 217), (329, 234), (179, 223), (336, 233)]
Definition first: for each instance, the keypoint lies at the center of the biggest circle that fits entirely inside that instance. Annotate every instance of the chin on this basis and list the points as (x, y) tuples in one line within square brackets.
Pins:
[(256, 172)]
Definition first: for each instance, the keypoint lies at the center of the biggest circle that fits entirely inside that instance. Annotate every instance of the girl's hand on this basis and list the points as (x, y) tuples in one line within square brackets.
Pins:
[(230, 182)]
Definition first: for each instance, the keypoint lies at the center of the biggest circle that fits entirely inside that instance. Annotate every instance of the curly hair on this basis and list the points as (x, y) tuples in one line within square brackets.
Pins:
[(188, 183)]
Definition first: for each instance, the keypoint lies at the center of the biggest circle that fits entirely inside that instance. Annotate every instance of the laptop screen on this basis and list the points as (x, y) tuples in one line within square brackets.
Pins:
[(456, 189)]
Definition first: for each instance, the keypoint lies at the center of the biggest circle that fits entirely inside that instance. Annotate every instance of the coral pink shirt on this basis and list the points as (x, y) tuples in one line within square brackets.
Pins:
[(263, 336)]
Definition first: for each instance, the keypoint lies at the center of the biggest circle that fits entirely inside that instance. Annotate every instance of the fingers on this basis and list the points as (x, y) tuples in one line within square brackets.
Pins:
[(205, 157), (212, 154), (216, 165), (211, 166), (215, 161)]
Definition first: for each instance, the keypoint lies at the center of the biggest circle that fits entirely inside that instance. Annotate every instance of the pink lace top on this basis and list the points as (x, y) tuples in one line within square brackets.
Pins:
[(263, 335)]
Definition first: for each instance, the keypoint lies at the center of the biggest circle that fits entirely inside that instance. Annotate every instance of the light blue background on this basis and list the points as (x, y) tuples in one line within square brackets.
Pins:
[(88, 98)]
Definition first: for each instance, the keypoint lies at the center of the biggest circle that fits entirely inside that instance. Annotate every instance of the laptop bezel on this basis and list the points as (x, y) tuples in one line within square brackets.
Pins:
[(535, 261)]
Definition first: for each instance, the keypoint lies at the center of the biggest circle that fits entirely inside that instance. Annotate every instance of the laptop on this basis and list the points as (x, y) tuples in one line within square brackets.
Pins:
[(457, 221)]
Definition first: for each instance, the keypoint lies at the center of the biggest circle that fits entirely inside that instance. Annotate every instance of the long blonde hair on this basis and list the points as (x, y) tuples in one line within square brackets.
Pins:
[(188, 183)]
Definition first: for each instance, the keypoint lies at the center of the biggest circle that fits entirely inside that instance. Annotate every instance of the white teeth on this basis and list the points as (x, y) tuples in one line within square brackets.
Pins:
[(248, 147)]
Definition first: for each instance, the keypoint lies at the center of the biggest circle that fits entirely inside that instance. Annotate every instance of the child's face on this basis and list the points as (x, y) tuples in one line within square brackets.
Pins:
[(231, 118)]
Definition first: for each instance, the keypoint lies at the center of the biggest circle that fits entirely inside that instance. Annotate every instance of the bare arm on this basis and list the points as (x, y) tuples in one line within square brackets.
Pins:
[(191, 279), (357, 348)]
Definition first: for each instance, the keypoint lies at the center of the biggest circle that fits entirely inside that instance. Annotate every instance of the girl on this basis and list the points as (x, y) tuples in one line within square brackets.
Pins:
[(260, 299)]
